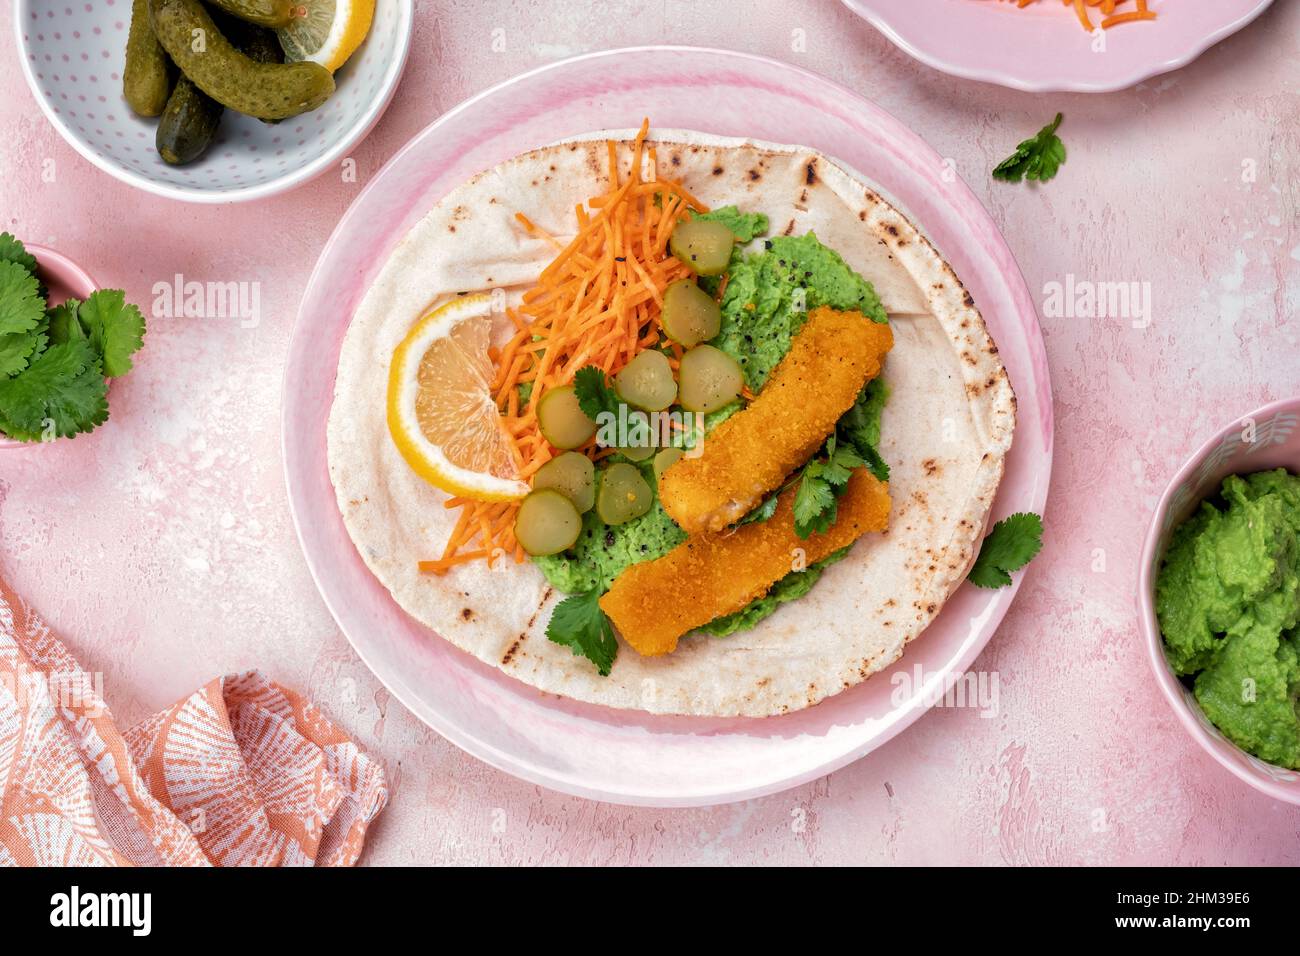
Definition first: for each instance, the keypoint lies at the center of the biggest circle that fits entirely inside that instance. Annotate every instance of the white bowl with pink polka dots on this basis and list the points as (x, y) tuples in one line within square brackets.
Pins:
[(72, 53)]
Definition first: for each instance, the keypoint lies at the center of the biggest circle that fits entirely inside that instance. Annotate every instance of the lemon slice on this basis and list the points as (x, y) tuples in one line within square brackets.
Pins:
[(326, 31), (440, 409)]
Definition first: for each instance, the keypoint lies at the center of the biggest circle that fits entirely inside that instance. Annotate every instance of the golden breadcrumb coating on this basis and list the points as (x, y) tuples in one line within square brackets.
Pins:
[(831, 358), (706, 576)]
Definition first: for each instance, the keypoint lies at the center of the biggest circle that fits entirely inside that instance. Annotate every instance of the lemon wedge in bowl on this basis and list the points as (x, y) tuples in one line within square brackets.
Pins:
[(326, 31), (440, 409)]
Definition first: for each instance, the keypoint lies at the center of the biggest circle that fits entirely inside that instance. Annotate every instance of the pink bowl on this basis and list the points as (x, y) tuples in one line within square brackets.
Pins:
[(64, 279), (1276, 445)]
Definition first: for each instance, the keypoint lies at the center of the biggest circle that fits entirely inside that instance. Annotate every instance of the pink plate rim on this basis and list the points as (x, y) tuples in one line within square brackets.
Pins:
[(1226, 753), (304, 452), (881, 15)]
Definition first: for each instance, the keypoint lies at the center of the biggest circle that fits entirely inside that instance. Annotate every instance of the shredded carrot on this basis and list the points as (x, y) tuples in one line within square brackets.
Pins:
[(1107, 9), (596, 303)]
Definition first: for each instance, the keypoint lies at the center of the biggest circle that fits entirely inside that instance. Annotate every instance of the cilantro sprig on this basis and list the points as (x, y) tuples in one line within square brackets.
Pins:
[(853, 444), (594, 394), (821, 482), (115, 328), (54, 361), (1038, 157), (579, 624), (859, 427), (1011, 545)]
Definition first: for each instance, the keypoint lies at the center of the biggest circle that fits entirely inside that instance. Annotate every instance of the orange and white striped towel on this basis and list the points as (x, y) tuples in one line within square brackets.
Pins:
[(241, 772)]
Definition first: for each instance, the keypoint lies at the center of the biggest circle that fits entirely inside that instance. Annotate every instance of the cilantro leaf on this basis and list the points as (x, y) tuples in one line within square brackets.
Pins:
[(815, 506), (859, 427), (1038, 157), (11, 250), (115, 327), (63, 322), (821, 482), (63, 390), (19, 348), (876, 464), (594, 395), (21, 308), (579, 624), (743, 225), (840, 464), (1011, 545)]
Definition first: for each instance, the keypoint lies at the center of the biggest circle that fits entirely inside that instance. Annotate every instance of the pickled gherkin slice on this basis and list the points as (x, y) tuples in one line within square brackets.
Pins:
[(704, 246), (562, 420), (710, 379), (665, 459), (690, 315), (647, 381), (640, 438), (573, 475), (547, 523), (624, 494)]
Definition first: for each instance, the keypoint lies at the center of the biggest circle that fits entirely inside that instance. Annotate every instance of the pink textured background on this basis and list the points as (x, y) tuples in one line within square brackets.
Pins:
[(161, 545)]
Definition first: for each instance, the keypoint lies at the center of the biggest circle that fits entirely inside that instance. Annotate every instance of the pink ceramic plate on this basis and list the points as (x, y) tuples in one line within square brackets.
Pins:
[(1043, 48), (1262, 440), (627, 756)]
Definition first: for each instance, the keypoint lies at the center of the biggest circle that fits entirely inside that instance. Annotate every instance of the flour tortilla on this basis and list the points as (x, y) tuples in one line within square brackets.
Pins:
[(947, 429)]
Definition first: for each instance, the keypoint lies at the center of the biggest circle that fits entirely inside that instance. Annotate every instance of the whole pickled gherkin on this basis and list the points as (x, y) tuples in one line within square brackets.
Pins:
[(265, 13), (188, 125), (264, 90), (147, 74), (256, 43)]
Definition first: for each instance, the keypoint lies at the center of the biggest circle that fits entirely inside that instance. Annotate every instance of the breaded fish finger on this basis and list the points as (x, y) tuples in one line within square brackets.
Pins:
[(749, 454), (706, 576)]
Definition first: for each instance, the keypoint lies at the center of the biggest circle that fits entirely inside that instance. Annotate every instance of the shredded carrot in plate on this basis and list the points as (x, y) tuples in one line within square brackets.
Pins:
[(597, 303), (1107, 9)]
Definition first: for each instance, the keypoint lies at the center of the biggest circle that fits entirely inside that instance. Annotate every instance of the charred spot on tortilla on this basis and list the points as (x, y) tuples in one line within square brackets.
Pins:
[(510, 652), (810, 172)]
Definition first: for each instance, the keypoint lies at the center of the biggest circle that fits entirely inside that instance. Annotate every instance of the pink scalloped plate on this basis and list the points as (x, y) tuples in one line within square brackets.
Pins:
[(592, 751), (1043, 48)]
